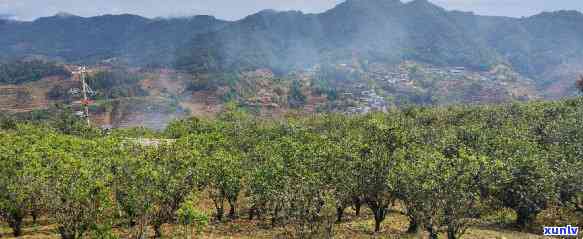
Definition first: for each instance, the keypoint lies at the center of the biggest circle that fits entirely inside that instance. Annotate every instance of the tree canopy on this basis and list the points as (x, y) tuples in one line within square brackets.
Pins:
[(440, 167)]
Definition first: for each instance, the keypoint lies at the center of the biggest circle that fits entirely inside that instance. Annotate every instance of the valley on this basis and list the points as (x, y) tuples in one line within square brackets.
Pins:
[(152, 98), (360, 56)]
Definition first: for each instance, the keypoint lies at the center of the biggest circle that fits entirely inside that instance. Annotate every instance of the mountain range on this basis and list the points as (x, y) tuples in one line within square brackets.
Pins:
[(71, 38), (371, 30)]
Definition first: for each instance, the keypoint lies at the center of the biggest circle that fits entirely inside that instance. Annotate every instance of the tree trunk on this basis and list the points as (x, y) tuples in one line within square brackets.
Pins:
[(274, 216), (413, 226), (157, 230), (451, 233), (252, 212), (15, 222), (34, 215), (432, 232), (140, 231), (377, 225), (259, 213), (379, 217), (357, 205), (339, 214), (232, 210), (379, 210), (220, 210), (524, 218), (220, 213), (219, 202), (357, 210), (65, 234)]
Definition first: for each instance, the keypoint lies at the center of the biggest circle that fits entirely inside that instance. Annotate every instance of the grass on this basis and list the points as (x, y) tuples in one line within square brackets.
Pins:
[(353, 227), (494, 225)]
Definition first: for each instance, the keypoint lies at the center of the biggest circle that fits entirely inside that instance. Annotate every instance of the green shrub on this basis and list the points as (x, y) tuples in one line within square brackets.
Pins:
[(192, 220)]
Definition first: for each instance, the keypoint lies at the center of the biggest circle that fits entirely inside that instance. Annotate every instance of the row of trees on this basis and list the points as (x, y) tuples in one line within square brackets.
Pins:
[(441, 167), (20, 72), (116, 84)]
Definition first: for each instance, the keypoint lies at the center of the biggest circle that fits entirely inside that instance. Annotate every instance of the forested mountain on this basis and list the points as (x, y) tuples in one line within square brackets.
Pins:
[(390, 30), (386, 30), (374, 30), (72, 38)]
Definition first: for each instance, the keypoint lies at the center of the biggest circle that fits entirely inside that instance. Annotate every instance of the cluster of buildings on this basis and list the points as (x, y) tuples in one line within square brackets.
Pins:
[(369, 101), (264, 98), (258, 74), (398, 75)]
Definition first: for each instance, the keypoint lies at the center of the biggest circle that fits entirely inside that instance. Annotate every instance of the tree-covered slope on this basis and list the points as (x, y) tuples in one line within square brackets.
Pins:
[(72, 38), (377, 30), (389, 30), (21, 72)]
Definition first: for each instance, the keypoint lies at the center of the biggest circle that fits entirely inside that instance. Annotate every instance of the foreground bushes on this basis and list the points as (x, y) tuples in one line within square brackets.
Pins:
[(442, 166)]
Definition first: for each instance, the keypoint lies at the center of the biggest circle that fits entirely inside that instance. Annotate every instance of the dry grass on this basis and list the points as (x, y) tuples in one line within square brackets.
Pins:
[(354, 227), (495, 225)]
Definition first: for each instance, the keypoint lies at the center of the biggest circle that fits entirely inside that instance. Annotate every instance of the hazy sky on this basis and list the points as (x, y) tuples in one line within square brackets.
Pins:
[(235, 9)]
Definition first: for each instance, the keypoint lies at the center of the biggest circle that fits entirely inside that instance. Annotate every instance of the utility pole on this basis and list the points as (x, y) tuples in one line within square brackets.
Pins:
[(85, 101)]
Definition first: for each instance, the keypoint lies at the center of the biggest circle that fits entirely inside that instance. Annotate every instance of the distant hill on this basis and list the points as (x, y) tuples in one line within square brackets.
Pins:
[(390, 30), (541, 47), (134, 39), (4, 17)]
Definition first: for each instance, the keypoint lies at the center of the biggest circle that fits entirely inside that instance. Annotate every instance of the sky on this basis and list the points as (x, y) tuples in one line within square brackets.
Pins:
[(236, 9)]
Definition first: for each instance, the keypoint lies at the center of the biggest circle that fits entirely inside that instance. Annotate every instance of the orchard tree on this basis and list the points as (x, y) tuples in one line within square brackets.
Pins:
[(151, 184), (223, 175), (267, 182), (292, 180), (439, 189), (526, 183), (312, 185), (530, 189), (413, 188), (185, 127), (174, 178), (21, 174), (529, 184), (221, 170), (383, 138), (192, 220), (342, 142), (77, 187), (563, 140), (65, 121), (296, 181), (15, 198), (458, 190), (280, 158)]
